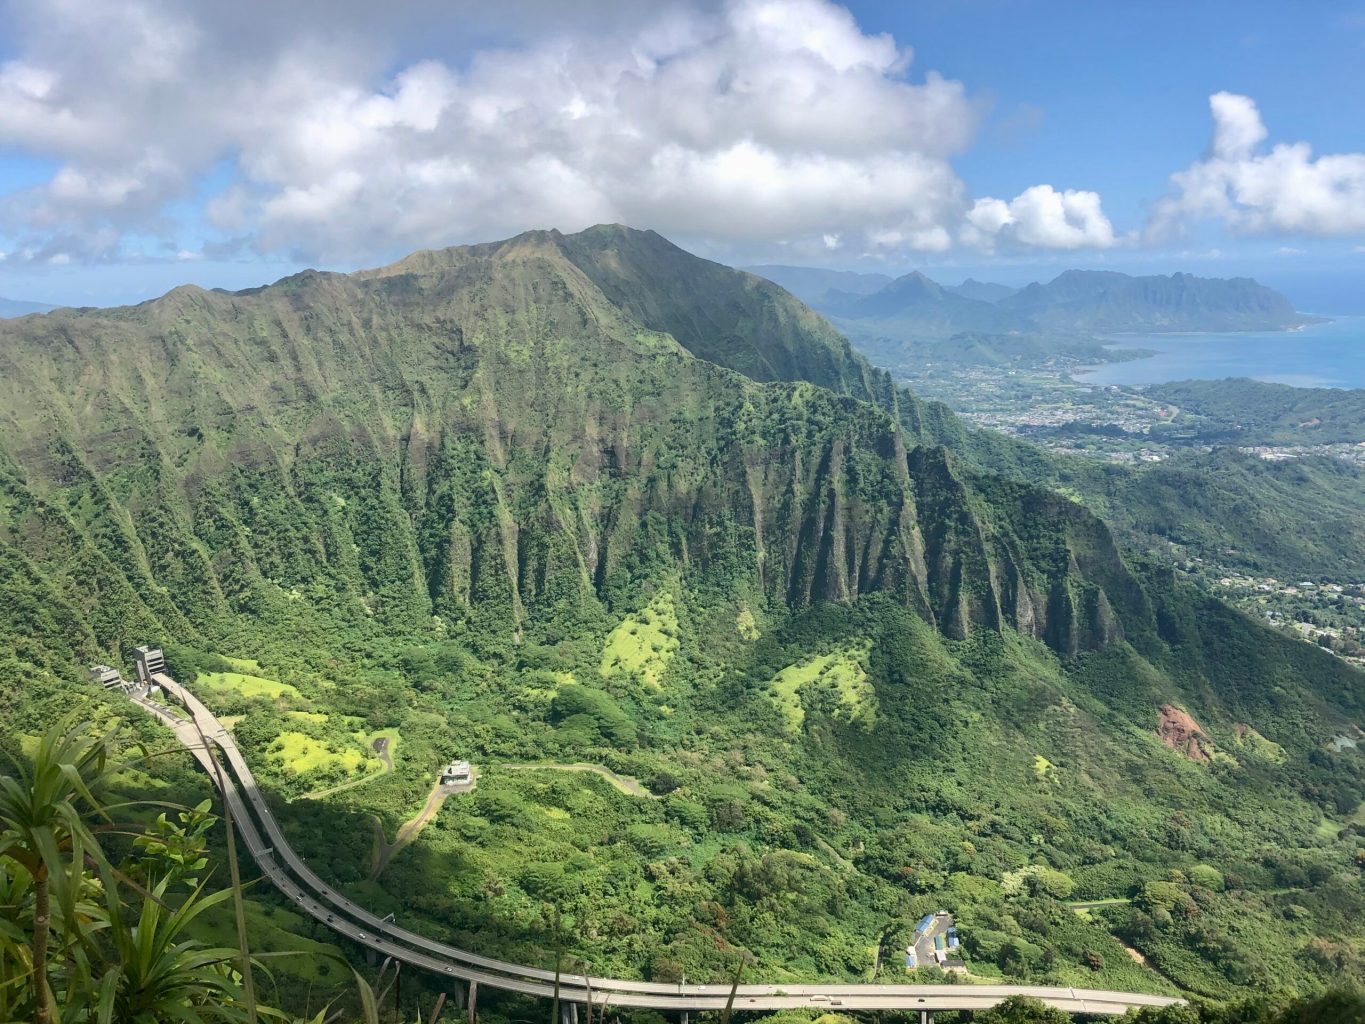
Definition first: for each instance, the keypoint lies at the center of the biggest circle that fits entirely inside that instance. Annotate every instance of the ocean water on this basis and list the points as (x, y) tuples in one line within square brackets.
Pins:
[(1330, 355)]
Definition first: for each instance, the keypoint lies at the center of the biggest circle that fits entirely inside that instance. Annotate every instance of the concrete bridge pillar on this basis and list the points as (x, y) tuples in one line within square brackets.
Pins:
[(473, 999), (457, 995), (926, 1017), (568, 1013), (682, 1017)]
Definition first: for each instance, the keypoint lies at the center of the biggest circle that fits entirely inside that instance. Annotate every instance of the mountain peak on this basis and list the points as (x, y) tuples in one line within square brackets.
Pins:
[(919, 304), (982, 291)]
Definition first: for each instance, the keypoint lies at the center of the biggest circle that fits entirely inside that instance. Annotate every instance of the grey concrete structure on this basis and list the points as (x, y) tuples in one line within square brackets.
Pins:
[(107, 676), (149, 662)]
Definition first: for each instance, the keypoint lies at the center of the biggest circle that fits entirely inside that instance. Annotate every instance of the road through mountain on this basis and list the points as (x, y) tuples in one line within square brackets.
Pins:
[(206, 738)]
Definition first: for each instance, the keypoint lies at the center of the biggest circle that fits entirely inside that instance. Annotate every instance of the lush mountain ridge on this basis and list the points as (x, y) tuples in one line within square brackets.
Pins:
[(1253, 412), (516, 501), (504, 465)]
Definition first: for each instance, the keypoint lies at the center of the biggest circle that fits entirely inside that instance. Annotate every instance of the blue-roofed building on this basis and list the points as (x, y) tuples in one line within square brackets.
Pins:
[(935, 942)]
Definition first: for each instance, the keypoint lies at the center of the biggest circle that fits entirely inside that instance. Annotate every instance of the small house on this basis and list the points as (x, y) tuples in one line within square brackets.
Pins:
[(457, 773)]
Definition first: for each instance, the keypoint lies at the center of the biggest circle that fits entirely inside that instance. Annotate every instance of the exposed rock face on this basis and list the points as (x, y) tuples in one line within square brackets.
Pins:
[(1182, 733)]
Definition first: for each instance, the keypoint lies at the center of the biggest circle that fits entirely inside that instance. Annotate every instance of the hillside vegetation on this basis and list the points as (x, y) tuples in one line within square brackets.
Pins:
[(1253, 412), (587, 500)]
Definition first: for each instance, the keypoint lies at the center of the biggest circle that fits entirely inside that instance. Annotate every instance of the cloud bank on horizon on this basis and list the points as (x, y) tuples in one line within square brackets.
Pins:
[(759, 125)]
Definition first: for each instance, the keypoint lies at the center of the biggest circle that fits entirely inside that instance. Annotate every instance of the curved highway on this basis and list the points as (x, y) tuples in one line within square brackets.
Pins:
[(202, 733)]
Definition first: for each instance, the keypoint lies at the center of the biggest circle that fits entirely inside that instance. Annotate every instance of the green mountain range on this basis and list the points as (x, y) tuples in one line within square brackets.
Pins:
[(1252, 412), (588, 499), (634, 448)]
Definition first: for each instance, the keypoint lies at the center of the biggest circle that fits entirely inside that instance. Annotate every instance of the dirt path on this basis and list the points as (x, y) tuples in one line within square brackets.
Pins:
[(1138, 958), (1114, 901), (623, 783), (381, 751), (384, 851), (845, 865)]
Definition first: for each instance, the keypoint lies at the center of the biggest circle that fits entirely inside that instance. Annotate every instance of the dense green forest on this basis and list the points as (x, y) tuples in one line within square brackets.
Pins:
[(110, 892), (1295, 518), (1252, 412), (585, 500)]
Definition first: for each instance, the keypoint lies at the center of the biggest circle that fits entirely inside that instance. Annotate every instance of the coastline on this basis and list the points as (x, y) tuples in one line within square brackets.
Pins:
[(1329, 353)]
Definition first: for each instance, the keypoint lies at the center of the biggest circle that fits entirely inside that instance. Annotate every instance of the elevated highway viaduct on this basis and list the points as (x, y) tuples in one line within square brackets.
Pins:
[(209, 742)]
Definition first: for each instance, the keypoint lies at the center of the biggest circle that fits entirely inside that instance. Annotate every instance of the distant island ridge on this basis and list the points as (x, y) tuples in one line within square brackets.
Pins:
[(1112, 328), (16, 307), (1091, 301)]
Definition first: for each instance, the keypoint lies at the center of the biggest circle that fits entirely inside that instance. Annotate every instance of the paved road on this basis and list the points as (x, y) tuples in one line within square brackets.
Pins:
[(202, 734)]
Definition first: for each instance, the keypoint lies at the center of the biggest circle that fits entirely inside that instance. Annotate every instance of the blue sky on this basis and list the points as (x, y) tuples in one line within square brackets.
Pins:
[(1112, 96), (153, 142)]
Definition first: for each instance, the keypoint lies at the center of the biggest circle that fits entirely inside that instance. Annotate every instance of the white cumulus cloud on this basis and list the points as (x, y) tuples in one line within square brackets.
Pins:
[(768, 122), (341, 131), (1043, 217), (1285, 190)]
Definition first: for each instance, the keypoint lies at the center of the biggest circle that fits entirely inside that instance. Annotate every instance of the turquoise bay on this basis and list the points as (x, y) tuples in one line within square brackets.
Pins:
[(1328, 355)]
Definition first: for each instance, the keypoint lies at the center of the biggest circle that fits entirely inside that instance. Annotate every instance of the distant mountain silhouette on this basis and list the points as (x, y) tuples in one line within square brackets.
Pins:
[(1087, 301), (1099, 300), (14, 307), (982, 291), (813, 284), (915, 303)]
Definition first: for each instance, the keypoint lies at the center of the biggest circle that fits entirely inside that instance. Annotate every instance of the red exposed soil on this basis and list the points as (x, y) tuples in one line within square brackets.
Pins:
[(1181, 732)]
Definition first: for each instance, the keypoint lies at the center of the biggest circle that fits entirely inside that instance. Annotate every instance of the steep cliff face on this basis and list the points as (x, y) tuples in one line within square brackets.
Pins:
[(483, 432)]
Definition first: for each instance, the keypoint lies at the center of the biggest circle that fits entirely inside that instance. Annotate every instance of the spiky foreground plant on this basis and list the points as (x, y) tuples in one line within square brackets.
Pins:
[(83, 939)]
